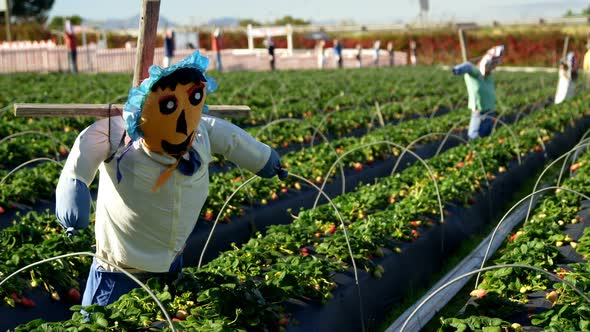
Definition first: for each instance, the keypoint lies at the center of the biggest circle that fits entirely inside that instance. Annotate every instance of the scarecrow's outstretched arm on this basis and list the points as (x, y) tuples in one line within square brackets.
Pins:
[(72, 204), (465, 68), (242, 149)]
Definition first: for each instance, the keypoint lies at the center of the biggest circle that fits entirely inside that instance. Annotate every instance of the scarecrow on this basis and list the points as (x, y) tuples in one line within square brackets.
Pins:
[(154, 178), (481, 91)]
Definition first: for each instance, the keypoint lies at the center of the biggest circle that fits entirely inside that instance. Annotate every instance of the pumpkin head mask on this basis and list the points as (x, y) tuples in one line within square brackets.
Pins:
[(172, 111), (165, 110)]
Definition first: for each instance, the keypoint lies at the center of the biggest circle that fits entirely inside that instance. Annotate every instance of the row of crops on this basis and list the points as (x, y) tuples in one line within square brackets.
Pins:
[(328, 127), (556, 241)]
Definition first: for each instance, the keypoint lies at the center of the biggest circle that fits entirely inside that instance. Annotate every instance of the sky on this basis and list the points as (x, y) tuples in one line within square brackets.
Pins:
[(324, 11)]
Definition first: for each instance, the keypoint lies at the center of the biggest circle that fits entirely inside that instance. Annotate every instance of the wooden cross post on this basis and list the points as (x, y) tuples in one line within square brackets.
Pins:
[(144, 58), (463, 44), (566, 42)]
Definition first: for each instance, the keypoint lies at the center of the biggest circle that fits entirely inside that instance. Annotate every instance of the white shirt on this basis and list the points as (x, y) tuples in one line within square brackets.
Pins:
[(135, 227), (565, 87)]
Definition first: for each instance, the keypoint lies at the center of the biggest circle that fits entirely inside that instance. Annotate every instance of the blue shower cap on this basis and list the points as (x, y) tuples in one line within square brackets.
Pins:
[(137, 96)]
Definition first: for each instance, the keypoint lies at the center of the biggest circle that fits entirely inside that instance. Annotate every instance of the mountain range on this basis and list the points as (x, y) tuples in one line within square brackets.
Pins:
[(133, 23)]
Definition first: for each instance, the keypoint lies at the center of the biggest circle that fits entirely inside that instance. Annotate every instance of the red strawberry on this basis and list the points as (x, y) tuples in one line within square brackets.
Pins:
[(358, 166), (284, 190), (332, 229), (285, 144), (208, 215), (2, 210), (274, 196), (479, 293), (284, 321), (28, 303), (339, 150), (415, 233), (460, 164), (575, 167), (63, 150), (73, 296), (415, 223), (538, 148), (304, 252)]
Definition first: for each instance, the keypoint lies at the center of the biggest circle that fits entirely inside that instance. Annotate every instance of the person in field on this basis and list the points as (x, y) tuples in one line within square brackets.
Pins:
[(320, 48), (169, 48), (270, 47), (154, 179), (391, 52), (216, 46), (71, 45), (376, 50), (337, 49), (481, 90), (358, 56), (413, 54)]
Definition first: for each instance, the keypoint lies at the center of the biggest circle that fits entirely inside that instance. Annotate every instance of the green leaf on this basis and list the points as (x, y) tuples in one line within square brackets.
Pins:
[(491, 329), (102, 322), (164, 296)]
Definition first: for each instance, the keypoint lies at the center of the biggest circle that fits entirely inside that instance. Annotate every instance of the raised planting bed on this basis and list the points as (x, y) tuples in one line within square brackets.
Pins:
[(555, 239)]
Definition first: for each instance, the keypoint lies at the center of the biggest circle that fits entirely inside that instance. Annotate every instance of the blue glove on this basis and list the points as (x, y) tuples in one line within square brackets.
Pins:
[(273, 167), (72, 204), (463, 68)]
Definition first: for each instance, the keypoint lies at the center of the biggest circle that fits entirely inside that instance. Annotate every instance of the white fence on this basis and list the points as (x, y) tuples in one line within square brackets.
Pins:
[(44, 58), (51, 58)]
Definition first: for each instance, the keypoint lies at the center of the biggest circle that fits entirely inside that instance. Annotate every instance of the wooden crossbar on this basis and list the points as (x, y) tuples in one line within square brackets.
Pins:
[(102, 110)]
